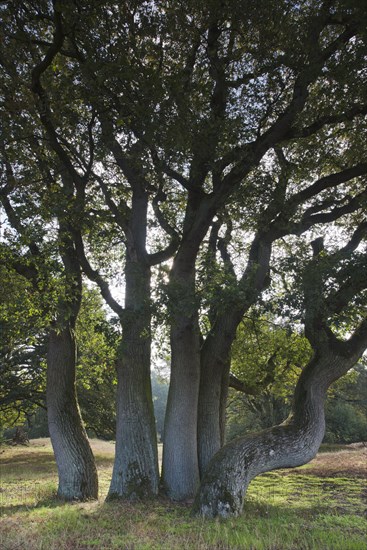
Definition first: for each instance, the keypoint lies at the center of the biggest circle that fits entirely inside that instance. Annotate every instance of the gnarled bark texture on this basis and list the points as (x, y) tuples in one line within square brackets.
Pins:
[(75, 462), (135, 472), (288, 445)]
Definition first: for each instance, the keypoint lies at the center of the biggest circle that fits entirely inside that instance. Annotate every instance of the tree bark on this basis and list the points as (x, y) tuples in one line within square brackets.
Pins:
[(78, 478), (216, 353), (135, 472), (214, 380), (291, 444), (180, 472)]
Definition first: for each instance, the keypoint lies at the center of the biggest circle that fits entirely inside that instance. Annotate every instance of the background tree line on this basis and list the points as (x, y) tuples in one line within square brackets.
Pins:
[(266, 361)]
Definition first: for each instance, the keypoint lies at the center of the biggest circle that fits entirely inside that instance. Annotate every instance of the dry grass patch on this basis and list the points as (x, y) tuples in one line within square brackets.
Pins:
[(350, 462)]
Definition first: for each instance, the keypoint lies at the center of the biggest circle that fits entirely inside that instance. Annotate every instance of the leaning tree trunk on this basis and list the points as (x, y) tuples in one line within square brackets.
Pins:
[(216, 354), (180, 471), (78, 478), (135, 472), (288, 445)]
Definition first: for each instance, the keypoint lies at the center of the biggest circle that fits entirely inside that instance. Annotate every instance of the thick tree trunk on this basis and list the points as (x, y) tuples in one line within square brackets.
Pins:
[(135, 472), (216, 355), (214, 381), (75, 463), (288, 445), (180, 472), (211, 412), (214, 377)]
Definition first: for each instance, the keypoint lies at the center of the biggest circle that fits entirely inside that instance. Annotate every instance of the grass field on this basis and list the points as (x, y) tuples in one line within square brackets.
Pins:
[(319, 506)]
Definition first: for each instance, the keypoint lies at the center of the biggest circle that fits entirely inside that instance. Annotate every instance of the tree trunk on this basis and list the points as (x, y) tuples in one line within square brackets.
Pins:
[(216, 354), (135, 472), (75, 463), (211, 412), (214, 383), (180, 472), (291, 444), (214, 378)]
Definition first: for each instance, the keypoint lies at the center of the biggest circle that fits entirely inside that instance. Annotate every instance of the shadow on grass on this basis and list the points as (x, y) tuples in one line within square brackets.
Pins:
[(334, 448), (257, 511), (104, 461), (307, 493), (160, 524), (47, 502), (30, 459), (47, 498)]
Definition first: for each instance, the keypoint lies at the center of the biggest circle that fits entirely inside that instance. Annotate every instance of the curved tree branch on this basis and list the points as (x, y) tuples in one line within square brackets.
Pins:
[(95, 276)]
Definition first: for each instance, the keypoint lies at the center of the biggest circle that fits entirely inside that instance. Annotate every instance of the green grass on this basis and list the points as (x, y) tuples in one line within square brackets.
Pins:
[(284, 510)]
